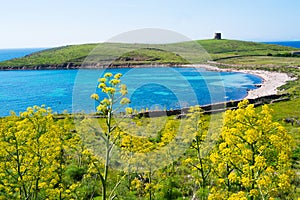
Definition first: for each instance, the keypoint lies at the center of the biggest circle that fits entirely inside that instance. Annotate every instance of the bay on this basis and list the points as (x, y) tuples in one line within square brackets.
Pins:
[(152, 88)]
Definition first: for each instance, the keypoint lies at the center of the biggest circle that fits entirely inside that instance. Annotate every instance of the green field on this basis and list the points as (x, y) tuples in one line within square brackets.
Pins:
[(263, 60)]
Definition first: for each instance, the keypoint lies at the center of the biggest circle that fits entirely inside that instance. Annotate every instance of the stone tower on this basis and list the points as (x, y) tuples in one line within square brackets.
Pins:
[(217, 36)]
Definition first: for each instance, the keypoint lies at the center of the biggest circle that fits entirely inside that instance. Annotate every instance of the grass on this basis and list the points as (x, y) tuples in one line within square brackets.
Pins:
[(148, 56), (219, 49), (53, 56), (263, 60)]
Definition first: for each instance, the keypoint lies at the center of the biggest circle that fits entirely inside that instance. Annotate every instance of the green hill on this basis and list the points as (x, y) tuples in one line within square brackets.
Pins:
[(225, 48), (73, 56)]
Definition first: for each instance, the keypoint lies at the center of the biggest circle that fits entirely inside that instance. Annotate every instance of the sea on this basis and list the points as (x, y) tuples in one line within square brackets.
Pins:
[(161, 88), (148, 88), (295, 44)]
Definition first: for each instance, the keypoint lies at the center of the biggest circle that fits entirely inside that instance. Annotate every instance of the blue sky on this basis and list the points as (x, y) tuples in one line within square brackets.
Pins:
[(49, 23)]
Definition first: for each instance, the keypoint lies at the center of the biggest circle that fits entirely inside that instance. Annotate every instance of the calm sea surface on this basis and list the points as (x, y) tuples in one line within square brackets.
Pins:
[(152, 88)]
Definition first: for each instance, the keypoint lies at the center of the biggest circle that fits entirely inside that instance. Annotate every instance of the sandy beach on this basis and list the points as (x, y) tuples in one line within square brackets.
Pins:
[(271, 80)]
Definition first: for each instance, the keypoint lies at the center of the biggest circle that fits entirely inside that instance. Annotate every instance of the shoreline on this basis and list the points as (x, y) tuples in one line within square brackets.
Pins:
[(271, 81)]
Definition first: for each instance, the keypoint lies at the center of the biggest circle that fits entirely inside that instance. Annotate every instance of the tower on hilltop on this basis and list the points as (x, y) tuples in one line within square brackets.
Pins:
[(217, 36)]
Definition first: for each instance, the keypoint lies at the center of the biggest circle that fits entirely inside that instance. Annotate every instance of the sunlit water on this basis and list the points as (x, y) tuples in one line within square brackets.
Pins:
[(152, 88)]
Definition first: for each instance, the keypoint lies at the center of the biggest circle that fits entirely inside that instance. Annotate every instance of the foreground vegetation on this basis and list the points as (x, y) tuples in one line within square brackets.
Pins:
[(248, 153), (244, 154)]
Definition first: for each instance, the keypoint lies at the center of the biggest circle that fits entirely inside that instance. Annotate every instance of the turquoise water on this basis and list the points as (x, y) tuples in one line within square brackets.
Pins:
[(152, 88)]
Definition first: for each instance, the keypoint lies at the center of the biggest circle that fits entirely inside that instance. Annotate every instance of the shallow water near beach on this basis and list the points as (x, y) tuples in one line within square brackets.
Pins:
[(149, 88)]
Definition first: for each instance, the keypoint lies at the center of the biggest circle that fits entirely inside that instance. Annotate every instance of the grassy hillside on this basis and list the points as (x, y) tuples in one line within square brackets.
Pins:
[(147, 54), (60, 55), (226, 48)]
